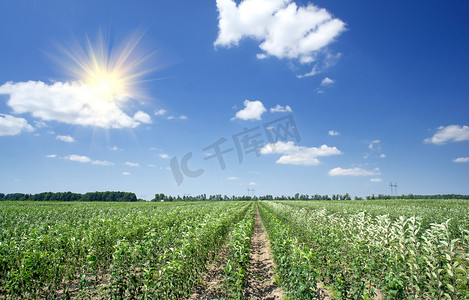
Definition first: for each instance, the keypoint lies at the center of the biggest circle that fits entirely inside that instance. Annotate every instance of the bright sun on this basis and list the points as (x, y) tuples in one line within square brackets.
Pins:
[(112, 72)]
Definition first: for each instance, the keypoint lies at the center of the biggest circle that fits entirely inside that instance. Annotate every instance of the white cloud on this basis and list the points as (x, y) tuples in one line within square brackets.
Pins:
[(232, 178), (283, 29), (451, 133), (354, 172), (164, 155), (114, 148), (65, 138), (461, 160), (86, 159), (299, 155), (327, 81), (152, 166), (183, 117), (383, 155), (51, 156), (160, 112), (253, 110), (279, 108), (170, 117), (252, 183), (333, 133), (10, 125), (102, 163), (142, 117), (376, 180), (78, 158), (314, 71), (131, 164), (125, 173), (71, 103)]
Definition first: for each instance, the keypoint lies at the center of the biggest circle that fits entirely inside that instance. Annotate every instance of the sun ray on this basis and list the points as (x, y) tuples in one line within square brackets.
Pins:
[(112, 72)]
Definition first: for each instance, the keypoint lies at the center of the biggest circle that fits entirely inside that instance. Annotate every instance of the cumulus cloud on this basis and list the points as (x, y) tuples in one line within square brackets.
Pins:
[(51, 156), (232, 178), (86, 160), (354, 172), (333, 133), (142, 117), (70, 102), (376, 180), (183, 117), (461, 160), (131, 164), (451, 133), (383, 155), (65, 138), (327, 81), (252, 183), (78, 158), (252, 110), (299, 155), (10, 125), (279, 108), (283, 29), (125, 173)]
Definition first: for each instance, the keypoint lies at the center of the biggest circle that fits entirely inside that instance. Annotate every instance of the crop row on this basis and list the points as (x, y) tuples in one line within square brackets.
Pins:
[(110, 250), (361, 256)]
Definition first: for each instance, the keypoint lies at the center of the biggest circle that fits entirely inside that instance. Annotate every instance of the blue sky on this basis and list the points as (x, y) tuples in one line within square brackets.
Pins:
[(378, 92)]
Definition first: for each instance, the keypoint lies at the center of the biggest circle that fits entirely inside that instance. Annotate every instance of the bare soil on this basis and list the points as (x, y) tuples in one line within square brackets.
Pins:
[(260, 272)]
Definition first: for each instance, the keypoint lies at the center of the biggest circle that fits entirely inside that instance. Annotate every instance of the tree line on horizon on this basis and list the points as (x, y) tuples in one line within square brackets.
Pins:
[(131, 197), (297, 196), (69, 196)]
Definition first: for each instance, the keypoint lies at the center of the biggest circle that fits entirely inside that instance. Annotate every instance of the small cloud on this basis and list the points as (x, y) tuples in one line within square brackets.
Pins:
[(299, 155), (253, 110), (252, 183), (160, 112), (183, 117), (142, 117), (451, 133), (65, 138), (279, 108), (327, 81), (383, 155), (333, 133), (116, 149), (125, 173), (10, 125), (313, 72), (461, 160), (39, 124), (354, 172), (170, 117), (131, 164), (51, 156), (78, 158), (102, 163), (152, 166), (164, 155), (376, 180), (232, 178)]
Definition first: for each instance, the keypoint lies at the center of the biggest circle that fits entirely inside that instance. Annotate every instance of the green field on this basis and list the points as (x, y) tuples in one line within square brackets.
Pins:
[(398, 249)]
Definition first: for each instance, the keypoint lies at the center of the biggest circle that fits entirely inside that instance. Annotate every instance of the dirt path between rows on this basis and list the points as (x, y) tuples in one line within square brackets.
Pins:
[(260, 272)]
